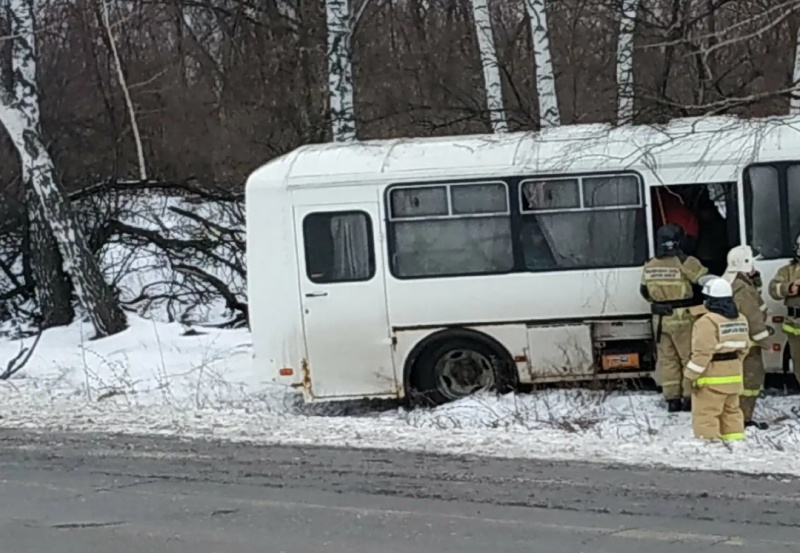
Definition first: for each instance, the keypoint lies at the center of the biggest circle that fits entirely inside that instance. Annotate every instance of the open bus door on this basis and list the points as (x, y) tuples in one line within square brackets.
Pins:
[(709, 215)]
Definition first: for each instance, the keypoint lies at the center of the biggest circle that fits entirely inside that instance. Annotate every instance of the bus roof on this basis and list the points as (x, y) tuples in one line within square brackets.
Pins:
[(707, 141)]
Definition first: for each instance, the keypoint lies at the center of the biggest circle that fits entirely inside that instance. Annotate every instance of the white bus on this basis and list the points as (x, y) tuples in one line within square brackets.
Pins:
[(435, 267)]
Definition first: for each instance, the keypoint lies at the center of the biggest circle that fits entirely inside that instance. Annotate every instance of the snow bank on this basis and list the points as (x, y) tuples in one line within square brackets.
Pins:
[(154, 379)]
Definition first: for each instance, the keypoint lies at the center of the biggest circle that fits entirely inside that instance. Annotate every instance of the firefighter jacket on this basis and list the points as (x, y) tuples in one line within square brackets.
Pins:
[(668, 281), (751, 305), (719, 345), (779, 290)]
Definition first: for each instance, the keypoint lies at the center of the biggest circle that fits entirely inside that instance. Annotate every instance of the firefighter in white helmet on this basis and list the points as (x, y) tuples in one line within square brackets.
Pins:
[(785, 287), (668, 283), (742, 276), (720, 341)]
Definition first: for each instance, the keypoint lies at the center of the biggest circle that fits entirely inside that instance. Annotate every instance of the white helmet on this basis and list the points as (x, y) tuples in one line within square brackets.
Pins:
[(717, 288), (741, 260)]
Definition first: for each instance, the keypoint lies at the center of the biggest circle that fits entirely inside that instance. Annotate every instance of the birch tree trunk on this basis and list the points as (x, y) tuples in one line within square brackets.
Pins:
[(794, 101), (340, 70), (549, 114), (19, 114), (53, 289), (625, 92), (123, 84), (491, 69)]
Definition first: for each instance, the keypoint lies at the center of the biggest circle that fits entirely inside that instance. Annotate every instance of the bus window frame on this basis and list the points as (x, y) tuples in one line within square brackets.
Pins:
[(513, 187), (781, 168)]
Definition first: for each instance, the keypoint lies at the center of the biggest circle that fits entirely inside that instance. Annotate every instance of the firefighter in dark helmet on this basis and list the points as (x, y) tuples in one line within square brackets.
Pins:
[(669, 281)]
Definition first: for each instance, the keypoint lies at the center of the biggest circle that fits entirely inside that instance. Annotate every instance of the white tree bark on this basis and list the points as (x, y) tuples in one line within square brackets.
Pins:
[(625, 90), (19, 114), (126, 93), (794, 102), (53, 290), (549, 114), (340, 71), (491, 69)]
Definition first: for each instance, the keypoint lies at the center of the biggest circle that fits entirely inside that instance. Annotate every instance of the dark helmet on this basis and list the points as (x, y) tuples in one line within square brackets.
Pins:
[(668, 240)]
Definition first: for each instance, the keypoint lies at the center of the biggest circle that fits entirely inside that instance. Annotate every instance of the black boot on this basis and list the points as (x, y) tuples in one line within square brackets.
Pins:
[(674, 405), (758, 425), (686, 404)]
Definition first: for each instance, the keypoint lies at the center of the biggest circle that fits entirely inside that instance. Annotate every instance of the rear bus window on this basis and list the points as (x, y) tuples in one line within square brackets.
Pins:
[(338, 247)]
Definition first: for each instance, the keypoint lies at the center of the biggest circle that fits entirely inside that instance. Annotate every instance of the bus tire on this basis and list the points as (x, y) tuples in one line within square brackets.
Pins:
[(457, 366)]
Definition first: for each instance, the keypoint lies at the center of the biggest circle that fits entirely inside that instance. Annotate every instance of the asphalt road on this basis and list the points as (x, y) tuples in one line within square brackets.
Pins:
[(91, 493)]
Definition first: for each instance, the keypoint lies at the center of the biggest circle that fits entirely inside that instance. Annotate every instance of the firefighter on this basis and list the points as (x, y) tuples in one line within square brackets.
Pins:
[(741, 275), (785, 287), (668, 282), (673, 210), (720, 342)]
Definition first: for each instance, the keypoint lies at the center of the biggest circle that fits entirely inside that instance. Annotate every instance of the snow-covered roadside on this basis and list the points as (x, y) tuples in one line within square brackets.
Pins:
[(152, 379)]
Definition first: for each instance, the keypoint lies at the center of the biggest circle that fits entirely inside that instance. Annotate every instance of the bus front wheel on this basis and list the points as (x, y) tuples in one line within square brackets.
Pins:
[(457, 368)]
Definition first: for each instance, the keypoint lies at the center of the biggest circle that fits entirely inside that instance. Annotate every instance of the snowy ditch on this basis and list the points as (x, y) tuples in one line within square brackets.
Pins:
[(152, 379)]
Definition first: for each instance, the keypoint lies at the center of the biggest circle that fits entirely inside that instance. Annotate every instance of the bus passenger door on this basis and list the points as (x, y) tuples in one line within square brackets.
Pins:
[(343, 295)]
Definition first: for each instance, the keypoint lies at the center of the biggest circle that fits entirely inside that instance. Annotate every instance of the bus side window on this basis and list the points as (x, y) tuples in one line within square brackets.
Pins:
[(583, 222), (793, 199), (451, 229), (762, 198), (338, 247)]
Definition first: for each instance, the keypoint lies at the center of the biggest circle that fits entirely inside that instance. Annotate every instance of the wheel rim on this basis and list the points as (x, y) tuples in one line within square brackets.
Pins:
[(462, 372)]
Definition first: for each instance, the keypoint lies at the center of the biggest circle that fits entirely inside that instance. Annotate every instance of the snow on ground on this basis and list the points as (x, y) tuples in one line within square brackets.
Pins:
[(153, 379)]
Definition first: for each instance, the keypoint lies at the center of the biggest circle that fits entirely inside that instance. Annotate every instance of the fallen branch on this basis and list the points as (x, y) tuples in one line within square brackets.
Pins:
[(210, 225), (217, 194), (26, 291), (231, 301), (21, 359)]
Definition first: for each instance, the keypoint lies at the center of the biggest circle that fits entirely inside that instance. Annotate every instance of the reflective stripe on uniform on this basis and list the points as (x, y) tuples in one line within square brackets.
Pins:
[(733, 437), (732, 345), (751, 393), (760, 336), (763, 307), (712, 380), (691, 365), (788, 329)]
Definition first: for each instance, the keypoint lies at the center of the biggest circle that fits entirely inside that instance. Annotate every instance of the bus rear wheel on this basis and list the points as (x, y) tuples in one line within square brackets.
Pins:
[(457, 368)]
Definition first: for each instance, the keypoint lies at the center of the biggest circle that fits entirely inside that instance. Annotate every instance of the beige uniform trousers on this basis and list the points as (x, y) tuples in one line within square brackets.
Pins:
[(753, 382), (674, 351), (793, 342), (716, 415)]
